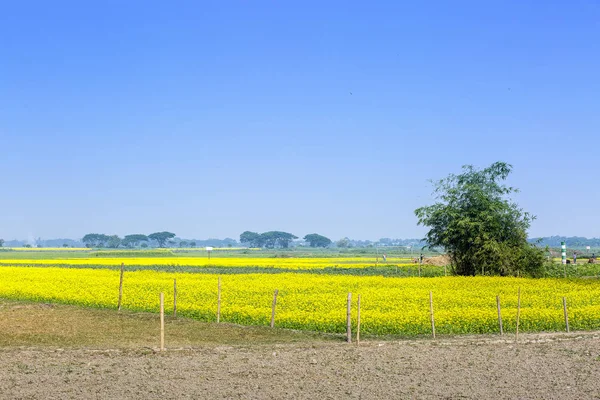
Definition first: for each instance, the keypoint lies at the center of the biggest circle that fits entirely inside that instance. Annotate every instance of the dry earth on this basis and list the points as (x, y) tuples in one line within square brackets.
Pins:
[(253, 365), (553, 367)]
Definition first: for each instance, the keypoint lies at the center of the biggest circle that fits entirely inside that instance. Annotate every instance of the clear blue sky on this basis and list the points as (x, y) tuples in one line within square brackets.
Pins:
[(211, 118)]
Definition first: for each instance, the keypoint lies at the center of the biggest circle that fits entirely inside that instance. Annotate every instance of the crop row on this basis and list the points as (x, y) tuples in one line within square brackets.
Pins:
[(317, 302)]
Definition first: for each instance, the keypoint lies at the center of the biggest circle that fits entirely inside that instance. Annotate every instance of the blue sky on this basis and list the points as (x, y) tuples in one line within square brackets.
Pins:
[(211, 118)]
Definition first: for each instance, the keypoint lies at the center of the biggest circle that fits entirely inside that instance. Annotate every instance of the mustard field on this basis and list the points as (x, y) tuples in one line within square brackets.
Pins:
[(317, 302), (292, 263)]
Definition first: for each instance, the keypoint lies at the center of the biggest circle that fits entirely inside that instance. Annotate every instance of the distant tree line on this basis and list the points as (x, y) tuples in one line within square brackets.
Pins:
[(572, 241), (161, 239), (278, 239)]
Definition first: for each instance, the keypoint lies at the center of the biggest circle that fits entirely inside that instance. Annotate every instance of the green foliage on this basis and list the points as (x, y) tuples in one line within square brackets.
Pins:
[(274, 239), (480, 228), (251, 239), (316, 240), (113, 242), (161, 237), (1, 242), (133, 240), (343, 243), (95, 240), (270, 240)]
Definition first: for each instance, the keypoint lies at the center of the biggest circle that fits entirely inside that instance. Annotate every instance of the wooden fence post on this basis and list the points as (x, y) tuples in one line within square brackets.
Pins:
[(499, 314), (349, 319), (358, 322), (219, 301), (431, 311), (566, 313), (162, 321), (273, 308), (518, 312), (121, 286), (175, 298)]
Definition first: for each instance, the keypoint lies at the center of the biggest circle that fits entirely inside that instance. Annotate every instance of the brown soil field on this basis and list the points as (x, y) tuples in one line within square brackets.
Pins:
[(61, 352)]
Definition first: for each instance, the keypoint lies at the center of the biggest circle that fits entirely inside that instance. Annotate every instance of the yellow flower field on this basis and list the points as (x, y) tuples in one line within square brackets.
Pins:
[(262, 262), (317, 302)]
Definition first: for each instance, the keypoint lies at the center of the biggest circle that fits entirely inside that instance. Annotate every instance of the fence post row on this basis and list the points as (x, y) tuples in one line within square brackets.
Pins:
[(175, 298), (162, 321), (273, 308), (349, 319), (518, 313), (219, 301), (566, 313), (121, 287), (499, 314), (431, 311), (358, 322)]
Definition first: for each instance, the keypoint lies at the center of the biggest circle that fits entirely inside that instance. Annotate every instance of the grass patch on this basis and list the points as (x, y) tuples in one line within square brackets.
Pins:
[(53, 325)]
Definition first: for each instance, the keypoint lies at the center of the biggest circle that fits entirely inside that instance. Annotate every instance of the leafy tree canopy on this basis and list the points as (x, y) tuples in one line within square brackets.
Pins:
[(134, 240), (269, 239), (251, 239), (482, 230), (95, 240), (316, 240), (113, 242), (274, 239), (161, 237)]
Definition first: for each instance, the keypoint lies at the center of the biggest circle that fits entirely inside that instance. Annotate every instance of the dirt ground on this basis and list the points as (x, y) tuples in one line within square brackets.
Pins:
[(538, 367), (66, 352)]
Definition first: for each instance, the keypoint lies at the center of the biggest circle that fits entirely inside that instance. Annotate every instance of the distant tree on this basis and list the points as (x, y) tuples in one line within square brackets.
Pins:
[(478, 225), (133, 240), (274, 239), (113, 242), (161, 237), (343, 243), (27, 245), (183, 243), (192, 244), (65, 245), (144, 245), (316, 240), (1, 242), (251, 239), (95, 240)]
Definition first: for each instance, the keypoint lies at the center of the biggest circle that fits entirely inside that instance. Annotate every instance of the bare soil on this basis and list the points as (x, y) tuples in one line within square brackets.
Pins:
[(256, 365)]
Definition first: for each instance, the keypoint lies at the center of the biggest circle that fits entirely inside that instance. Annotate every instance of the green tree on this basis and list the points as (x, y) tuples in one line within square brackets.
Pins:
[(113, 242), (274, 239), (65, 245), (1, 242), (316, 240), (161, 237), (134, 240), (95, 240), (343, 243), (183, 243), (192, 244), (251, 239), (481, 229)]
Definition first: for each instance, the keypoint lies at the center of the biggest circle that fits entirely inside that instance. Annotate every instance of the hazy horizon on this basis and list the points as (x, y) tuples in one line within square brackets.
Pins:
[(211, 119)]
